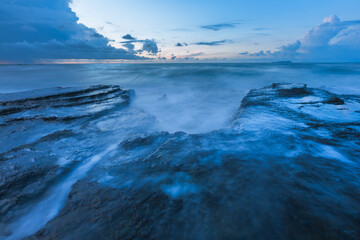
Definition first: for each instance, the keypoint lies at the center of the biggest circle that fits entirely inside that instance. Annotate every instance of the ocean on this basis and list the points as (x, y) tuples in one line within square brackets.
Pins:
[(194, 98)]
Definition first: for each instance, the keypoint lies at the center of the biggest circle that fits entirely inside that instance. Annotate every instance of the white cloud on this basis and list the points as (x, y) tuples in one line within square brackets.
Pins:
[(323, 33), (333, 40), (349, 36)]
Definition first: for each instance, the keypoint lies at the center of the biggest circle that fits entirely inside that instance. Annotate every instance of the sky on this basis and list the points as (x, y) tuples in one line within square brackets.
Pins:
[(167, 30)]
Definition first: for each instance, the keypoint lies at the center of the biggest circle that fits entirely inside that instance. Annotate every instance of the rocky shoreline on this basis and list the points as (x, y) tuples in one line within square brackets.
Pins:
[(287, 167)]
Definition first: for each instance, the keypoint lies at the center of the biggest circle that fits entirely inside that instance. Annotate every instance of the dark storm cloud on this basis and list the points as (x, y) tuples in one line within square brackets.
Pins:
[(49, 30)]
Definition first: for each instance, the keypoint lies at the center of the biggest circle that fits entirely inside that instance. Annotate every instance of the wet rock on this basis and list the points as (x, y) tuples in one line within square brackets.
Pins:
[(294, 104), (56, 104), (39, 127), (34, 112), (291, 90), (334, 100), (181, 188), (280, 172)]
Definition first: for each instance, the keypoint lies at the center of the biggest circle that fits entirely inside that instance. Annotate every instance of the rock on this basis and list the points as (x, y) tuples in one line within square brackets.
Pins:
[(273, 176), (41, 125), (292, 103)]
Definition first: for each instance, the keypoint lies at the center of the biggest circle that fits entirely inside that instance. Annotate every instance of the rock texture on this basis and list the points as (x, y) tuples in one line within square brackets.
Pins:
[(40, 129), (287, 168)]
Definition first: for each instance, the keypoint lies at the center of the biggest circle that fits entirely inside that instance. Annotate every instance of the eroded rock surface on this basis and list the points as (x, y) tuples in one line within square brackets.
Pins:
[(286, 168), (45, 135)]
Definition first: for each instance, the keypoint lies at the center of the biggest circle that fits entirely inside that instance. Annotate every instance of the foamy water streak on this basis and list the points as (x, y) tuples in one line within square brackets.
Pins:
[(53, 201)]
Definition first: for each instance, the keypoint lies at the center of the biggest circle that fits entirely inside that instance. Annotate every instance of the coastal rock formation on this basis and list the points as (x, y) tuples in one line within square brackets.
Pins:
[(286, 168), (43, 136)]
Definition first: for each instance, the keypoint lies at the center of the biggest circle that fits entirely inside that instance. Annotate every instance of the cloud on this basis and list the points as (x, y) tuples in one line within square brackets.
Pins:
[(322, 34), (218, 27), (214, 43), (49, 30), (148, 45), (181, 44), (130, 47), (333, 40), (128, 37)]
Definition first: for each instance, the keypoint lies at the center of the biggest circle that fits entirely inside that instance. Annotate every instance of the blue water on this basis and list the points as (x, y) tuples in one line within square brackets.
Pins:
[(194, 98)]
